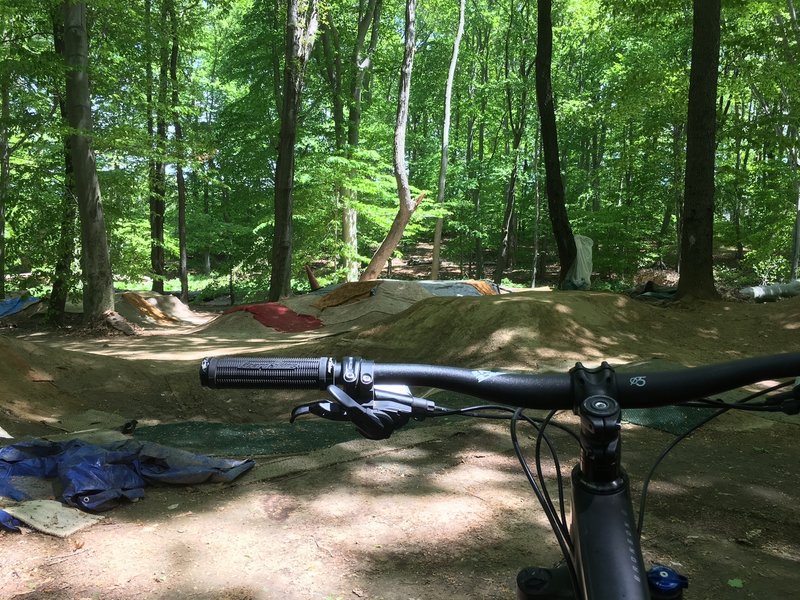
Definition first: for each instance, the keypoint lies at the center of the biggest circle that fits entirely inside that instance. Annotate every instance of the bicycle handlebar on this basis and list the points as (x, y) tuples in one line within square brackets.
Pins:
[(634, 390)]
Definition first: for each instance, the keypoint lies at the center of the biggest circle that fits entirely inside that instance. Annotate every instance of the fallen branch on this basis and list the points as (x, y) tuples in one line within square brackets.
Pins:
[(62, 558)]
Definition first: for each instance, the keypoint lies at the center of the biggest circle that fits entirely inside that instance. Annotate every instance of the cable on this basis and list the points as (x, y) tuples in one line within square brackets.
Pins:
[(558, 525), (468, 412), (683, 436), (539, 425), (474, 411), (552, 517), (711, 403), (559, 481)]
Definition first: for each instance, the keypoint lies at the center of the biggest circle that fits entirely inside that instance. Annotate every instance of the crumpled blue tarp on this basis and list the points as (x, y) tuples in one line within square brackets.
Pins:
[(7, 490), (98, 477), (9, 306), (9, 523)]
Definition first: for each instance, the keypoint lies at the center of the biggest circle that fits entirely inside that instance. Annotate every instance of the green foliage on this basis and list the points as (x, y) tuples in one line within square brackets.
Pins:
[(507, 283), (620, 82), (617, 285), (131, 247), (768, 268)]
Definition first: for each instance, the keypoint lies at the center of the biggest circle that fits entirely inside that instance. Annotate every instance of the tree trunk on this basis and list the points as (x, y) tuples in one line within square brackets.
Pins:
[(794, 154), (333, 72), (5, 171), (358, 68), (300, 35), (740, 175), (554, 185), (448, 94), (697, 276), (537, 210), (98, 285), (407, 204), (795, 158), (206, 211), (483, 45), (469, 164), (504, 252), (349, 235), (516, 125), (673, 204), (276, 23), (158, 186), (597, 152), (179, 177), (62, 276)]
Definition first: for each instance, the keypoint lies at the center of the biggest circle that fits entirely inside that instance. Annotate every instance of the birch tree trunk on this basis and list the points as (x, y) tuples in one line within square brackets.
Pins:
[(98, 285), (794, 157), (407, 204), (448, 95), (179, 176)]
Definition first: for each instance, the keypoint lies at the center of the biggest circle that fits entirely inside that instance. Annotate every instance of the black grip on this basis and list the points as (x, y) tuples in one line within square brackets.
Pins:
[(284, 373)]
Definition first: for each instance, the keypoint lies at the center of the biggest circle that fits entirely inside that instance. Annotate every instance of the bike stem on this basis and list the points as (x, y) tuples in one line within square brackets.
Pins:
[(608, 558), (594, 392)]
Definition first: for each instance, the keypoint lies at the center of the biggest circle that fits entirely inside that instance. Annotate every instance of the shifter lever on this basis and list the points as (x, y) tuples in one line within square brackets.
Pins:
[(368, 423)]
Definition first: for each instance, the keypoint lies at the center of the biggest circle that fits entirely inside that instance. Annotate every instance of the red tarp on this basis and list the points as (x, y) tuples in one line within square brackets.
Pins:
[(279, 317)]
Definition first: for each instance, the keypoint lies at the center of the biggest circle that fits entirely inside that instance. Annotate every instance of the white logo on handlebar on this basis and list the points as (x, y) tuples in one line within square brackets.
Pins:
[(484, 375), (639, 381)]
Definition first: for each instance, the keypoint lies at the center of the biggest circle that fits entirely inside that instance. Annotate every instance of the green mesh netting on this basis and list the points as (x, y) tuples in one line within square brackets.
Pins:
[(672, 419), (248, 439), (257, 439)]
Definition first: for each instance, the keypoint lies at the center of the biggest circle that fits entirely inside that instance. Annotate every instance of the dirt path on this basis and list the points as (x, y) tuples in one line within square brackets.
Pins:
[(436, 512)]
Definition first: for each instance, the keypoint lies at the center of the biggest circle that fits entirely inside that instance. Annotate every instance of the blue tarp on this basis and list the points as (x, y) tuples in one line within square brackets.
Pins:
[(8, 522), (9, 306), (453, 288), (437, 288), (99, 477)]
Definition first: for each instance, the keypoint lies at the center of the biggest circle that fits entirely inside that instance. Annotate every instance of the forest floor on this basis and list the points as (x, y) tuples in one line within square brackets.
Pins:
[(437, 511)]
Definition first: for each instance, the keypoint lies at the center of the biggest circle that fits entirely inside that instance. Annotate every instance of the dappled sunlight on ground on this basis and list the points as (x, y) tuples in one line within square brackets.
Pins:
[(447, 515)]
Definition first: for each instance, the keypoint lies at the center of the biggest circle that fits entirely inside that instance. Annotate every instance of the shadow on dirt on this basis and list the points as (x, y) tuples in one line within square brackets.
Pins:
[(451, 517)]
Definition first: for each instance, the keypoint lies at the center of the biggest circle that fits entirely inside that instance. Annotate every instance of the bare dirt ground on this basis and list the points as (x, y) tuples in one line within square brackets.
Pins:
[(435, 512)]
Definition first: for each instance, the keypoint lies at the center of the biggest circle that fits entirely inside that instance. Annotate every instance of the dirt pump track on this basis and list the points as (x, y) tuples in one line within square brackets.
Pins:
[(435, 512)]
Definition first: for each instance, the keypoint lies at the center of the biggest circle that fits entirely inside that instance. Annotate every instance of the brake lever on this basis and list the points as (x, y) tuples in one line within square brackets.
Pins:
[(375, 420), (320, 408), (787, 402), (792, 406)]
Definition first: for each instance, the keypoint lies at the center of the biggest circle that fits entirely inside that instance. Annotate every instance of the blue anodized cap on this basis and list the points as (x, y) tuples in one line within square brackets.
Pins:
[(665, 579)]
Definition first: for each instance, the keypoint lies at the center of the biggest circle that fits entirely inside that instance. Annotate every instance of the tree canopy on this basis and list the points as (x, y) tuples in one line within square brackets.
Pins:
[(194, 91)]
